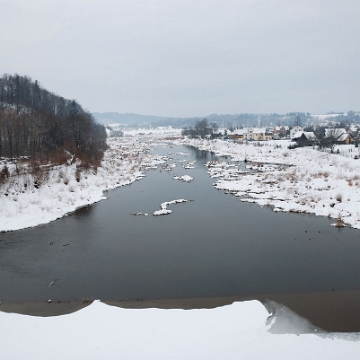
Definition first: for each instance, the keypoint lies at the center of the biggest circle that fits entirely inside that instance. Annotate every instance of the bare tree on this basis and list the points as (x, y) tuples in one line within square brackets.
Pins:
[(328, 141), (37, 123), (297, 121)]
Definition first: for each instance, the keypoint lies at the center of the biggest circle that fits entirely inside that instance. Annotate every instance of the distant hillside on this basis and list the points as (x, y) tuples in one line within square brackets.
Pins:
[(226, 120), (136, 120), (43, 126), (222, 120)]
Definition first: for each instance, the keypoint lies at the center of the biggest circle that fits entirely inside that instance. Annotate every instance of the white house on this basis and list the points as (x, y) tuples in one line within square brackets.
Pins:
[(294, 130)]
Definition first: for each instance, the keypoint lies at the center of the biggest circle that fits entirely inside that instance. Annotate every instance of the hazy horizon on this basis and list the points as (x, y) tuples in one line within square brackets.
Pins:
[(188, 58)]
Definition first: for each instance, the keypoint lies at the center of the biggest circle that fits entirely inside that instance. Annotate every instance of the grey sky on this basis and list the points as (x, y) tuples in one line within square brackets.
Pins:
[(188, 57)]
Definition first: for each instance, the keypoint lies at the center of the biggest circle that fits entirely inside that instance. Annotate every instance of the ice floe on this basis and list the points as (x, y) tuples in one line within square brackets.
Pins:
[(185, 178), (163, 207)]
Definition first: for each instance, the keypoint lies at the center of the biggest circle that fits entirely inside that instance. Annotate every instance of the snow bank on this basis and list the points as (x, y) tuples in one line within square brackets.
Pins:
[(99, 331), (154, 132), (62, 190), (303, 180)]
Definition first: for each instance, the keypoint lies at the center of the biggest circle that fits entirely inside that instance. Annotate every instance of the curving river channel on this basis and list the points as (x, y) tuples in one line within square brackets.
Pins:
[(213, 246)]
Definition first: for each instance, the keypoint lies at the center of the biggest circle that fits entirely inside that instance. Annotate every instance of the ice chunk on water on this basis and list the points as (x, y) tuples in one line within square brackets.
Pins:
[(164, 210)]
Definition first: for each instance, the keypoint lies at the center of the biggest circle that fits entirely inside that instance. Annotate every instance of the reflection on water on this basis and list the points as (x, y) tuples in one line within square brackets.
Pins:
[(202, 154), (84, 211), (213, 246)]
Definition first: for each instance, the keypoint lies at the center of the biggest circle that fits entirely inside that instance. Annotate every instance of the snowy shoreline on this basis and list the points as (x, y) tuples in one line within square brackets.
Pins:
[(241, 330), (302, 180), (63, 191)]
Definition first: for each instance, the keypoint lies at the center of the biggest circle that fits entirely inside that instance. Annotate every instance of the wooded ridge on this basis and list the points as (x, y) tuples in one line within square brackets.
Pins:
[(45, 127)]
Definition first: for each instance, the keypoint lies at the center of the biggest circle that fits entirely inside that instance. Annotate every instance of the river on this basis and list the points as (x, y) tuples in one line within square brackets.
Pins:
[(213, 246)]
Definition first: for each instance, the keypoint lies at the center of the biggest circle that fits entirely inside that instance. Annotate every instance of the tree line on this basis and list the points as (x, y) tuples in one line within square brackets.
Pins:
[(22, 92), (202, 129), (45, 127)]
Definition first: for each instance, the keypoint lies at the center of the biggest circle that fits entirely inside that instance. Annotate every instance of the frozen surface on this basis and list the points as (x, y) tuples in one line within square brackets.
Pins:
[(99, 331)]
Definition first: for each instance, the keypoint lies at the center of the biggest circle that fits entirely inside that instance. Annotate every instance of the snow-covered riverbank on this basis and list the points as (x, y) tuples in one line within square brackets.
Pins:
[(237, 331), (301, 180), (62, 190)]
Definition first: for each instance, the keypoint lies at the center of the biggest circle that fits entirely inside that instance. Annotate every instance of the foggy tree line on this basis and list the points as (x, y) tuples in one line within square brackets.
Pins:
[(45, 127), (202, 129)]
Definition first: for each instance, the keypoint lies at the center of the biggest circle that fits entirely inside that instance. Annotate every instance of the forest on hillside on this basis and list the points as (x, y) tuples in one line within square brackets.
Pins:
[(44, 127)]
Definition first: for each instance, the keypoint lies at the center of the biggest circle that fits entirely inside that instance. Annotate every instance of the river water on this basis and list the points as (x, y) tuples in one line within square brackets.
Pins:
[(212, 246)]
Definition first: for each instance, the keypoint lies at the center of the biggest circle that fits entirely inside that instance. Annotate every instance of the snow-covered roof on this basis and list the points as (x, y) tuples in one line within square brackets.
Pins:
[(325, 116), (259, 131), (335, 132), (339, 134), (297, 134), (343, 137), (308, 134), (238, 132), (217, 132)]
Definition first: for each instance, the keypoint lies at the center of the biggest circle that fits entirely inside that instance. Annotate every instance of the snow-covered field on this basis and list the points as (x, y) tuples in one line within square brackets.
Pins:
[(301, 180), (237, 331)]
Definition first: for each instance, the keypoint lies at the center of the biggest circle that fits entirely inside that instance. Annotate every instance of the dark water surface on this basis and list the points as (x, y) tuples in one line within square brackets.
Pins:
[(213, 246)]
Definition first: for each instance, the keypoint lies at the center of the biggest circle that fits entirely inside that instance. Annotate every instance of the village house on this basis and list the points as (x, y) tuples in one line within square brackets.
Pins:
[(216, 134), (280, 132), (354, 131), (251, 134), (339, 135), (260, 134), (295, 130), (304, 138), (240, 134)]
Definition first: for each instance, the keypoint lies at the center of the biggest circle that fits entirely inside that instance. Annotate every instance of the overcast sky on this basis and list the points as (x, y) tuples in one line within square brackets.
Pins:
[(188, 57)]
